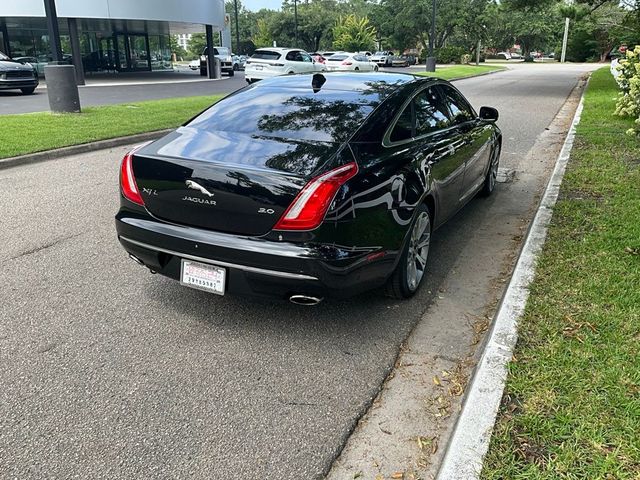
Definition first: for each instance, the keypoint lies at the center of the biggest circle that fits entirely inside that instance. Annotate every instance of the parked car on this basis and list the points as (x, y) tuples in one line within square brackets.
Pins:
[(194, 64), (221, 53), (503, 56), (319, 58), (270, 62), (308, 186), (350, 61), (401, 61), (42, 60), (409, 59), (383, 58), (238, 62), (33, 61), (17, 76)]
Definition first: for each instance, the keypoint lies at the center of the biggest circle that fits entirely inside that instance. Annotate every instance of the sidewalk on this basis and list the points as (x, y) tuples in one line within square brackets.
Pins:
[(182, 75)]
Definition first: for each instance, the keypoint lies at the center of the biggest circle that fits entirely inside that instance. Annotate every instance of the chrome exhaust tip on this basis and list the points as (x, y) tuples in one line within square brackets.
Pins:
[(304, 300), (136, 259)]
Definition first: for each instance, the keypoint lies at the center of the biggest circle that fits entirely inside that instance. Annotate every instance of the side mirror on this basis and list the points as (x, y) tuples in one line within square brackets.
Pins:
[(489, 114)]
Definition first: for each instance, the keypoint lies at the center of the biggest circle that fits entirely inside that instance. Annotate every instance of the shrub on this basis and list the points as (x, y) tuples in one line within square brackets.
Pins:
[(629, 80), (450, 54)]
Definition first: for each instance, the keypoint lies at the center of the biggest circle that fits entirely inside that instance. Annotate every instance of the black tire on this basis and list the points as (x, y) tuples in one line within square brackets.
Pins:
[(28, 91), (231, 73), (356, 69), (375, 69), (236, 67), (490, 179), (404, 282)]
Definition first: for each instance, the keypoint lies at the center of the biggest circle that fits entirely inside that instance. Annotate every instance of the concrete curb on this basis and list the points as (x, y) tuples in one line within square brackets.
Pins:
[(43, 86), (471, 436), (82, 148)]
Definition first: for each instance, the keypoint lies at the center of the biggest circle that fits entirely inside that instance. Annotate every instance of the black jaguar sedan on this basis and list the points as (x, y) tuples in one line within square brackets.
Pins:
[(308, 186), (17, 76)]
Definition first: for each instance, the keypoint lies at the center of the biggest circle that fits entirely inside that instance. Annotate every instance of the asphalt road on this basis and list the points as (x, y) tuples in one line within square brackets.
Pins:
[(109, 372), (122, 91)]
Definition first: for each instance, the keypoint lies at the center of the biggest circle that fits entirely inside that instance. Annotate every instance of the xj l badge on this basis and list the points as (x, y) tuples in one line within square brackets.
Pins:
[(196, 186)]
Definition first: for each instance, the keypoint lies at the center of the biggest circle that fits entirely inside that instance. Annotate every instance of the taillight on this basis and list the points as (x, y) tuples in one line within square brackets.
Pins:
[(347, 63), (310, 206), (127, 180)]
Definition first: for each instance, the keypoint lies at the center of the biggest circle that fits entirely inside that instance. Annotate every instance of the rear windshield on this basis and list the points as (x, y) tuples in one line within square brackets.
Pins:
[(266, 55), (325, 116), (336, 58)]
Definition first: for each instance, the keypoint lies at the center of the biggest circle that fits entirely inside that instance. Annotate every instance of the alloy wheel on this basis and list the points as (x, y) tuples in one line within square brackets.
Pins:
[(418, 251)]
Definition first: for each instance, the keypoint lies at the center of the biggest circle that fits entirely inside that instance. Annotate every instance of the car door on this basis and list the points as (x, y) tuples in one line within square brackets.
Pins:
[(441, 146), (476, 136)]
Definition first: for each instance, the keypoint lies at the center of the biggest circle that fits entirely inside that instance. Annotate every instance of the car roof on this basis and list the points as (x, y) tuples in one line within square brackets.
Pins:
[(277, 49), (383, 83)]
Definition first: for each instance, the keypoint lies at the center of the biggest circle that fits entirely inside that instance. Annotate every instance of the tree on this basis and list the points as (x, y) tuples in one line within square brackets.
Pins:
[(196, 45), (176, 49), (353, 34), (405, 23), (262, 37)]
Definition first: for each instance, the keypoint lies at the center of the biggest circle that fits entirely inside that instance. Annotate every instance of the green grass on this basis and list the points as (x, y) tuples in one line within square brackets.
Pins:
[(34, 132), (571, 408), (460, 71)]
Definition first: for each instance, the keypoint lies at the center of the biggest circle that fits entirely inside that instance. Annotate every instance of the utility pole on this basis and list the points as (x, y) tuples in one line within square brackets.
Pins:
[(295, 19), (431, 60), (565, 40), (235, 5)]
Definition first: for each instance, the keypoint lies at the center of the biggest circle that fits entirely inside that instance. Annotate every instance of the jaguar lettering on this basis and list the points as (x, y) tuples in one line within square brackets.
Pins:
[(199, 200)]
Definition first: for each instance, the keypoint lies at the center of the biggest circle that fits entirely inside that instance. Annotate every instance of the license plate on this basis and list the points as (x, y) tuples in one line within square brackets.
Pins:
[(203, 277), (259, 67)]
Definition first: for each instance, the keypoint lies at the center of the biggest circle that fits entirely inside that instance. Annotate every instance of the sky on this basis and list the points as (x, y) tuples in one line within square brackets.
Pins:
[(256, 5)]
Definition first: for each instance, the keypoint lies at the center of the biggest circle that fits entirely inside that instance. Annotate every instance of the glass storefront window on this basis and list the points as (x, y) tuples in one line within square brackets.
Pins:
[(160, 52)]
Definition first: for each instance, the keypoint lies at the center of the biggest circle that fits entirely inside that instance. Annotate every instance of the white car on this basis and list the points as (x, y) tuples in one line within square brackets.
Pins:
[(271, 62), (383, 58), (350, 61), (194, 64)]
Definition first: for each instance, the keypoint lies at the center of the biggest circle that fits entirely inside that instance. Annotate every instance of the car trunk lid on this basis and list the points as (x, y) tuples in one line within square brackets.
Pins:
[(227, 182)]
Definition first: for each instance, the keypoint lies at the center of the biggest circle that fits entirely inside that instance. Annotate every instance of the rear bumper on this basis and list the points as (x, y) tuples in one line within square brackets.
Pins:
[(252, 74), (255, 266)]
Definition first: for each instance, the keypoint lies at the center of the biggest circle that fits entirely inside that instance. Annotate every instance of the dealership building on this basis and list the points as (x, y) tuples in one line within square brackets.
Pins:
[(108, 35)]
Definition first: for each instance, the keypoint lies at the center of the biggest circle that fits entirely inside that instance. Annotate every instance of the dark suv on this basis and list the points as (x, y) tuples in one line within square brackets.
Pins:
[(223, 54), (17, 76)]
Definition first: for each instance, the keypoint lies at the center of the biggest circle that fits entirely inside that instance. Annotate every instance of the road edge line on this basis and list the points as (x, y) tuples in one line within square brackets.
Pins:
[(471, 436), (81, 148)]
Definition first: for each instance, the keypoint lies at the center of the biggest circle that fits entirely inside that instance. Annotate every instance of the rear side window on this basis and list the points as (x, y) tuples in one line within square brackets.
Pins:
[(460, 109), (431, 112), (295, 57), (404, 126), (266, 55)]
